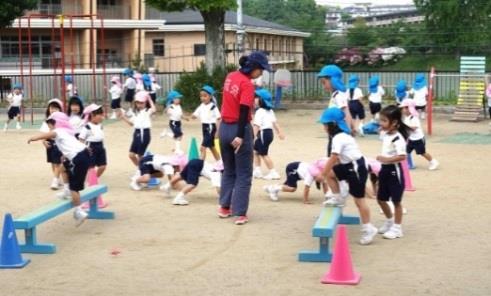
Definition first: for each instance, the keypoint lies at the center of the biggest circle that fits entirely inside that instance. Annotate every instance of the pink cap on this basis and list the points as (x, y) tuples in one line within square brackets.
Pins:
[(91, 108), (411, 105), (142, 96), (179, 160), (62, 122), (58, 101), (374, 165), (317, 167)]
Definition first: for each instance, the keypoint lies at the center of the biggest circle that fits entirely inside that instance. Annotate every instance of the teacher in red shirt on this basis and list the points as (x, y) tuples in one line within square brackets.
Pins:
[(236, 136)]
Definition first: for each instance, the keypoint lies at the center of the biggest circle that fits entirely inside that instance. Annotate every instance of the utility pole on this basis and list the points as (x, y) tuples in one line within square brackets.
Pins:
[(240, 29)]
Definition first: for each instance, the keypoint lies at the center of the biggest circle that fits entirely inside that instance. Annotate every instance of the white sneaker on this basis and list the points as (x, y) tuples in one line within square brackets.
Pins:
[(80, 216), (272, 175), (5, 127), (134, 185), (55, 184), (394, 232), (257, 173), (17, 126), (64, 195), (179, 200), (433, 165), (367, 234), (272, 191), (166, 188), (113, 116), (334, 200), (360, 130), (387, 225)]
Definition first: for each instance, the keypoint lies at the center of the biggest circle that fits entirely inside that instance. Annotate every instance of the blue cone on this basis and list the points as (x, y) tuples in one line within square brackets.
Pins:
[(10, 256)]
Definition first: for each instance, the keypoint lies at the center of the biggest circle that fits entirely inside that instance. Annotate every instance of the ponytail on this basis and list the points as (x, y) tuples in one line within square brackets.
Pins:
[(394, 114)]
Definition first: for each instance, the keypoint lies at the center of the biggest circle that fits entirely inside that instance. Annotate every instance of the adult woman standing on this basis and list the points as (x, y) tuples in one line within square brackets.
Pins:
[(236, 136)]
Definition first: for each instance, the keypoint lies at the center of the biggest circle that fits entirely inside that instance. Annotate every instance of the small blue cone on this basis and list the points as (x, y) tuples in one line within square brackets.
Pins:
[(154, 182), (10, 256), (410, 162)]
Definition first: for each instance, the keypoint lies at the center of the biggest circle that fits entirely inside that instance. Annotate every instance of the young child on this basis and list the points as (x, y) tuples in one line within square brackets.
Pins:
[(175, 113), (130, 88), (116, 91), (139, 81), (155, 88), (157, 166), (355, 105), (190, 175), (209, 115), (420, 93), (92, 136), (15, 105), (488, 97), (264, 122), (331, 77), (416, 139), (75, 111), (401, 92), (346, 163), (296, 171), (376, 93), (76, 154), (71, 89), (391, 177), (142, 123), (53, 154)]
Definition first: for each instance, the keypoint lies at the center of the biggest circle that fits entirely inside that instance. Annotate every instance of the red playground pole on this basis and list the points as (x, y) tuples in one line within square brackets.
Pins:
[(430, 101)]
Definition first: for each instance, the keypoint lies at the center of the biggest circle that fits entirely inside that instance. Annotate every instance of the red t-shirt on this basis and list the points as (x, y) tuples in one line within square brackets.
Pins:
[(237, 90)]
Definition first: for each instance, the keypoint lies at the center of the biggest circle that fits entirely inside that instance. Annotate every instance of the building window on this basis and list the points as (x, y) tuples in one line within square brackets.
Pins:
[(158, 47), (199, 49), (106, 2)]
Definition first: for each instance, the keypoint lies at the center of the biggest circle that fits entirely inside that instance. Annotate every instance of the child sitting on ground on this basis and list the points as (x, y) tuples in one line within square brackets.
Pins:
[(156, 166)]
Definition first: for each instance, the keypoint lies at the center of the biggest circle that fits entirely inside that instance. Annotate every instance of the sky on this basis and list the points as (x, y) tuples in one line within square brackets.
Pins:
[(351, 2)]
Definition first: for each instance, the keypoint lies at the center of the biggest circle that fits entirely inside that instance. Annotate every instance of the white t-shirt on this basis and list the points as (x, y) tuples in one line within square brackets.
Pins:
[(115, 92), (346, 148), (207, 113), (209, 173), (76, 122), (339, 99), (377, 97), (357, 94), (155, 87), (304, 174), (415, 124), (264, 119), (162, 163), (175, 112), (419, 96), (68, 144), (130, 83), (406, 96), (92, 133), (393, 144), (15, 100), (44, 127), (142, 119), (139, 86), (71, 90)]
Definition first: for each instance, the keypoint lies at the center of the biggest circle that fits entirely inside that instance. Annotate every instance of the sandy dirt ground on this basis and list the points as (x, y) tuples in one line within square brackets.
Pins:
[(169, 250)]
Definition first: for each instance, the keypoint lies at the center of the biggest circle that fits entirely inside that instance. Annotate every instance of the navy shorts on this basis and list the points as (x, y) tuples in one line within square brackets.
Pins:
[(175, 127), (53, 154), (146, 166), (141, 140), (77, 170), (292, 176), (116, 103), (153, 96), (421, 108), (97, 154), (374, 107), (13, 112), (130, 95), (419, 146), (356, 109), (263, 140), (209, 132), (391, 183), (192, 171), (356, 177)]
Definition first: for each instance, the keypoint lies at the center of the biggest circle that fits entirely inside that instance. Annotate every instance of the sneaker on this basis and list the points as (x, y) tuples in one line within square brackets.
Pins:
[(387, 225), (241, 220), (272, 192), (433, 165), (367, 234), (257, 173), (394, 232), (224, 213), (5, 127), (273, 175), (134, 185), (334, 200), (80, 216), (179, 200), (64, 195), (55, 185), (166, 188), (360, 130), (113, 116)]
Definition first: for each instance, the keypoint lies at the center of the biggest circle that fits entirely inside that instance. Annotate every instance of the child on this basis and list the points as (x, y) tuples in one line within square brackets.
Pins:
[(75, 112), (356, 108), (76, 154), (346, 163), (116, 91), (209, 115), (129, 86), (174, 111), (488, 96), (296, 171), (264, 121), (71, 90), (416, 139), (139, 81), (155, 87), (401, 92), (376, 92), (15, 105), (419, 93), (190, 175), (157, 166), (92, 136), (142, 124), (391, 178)]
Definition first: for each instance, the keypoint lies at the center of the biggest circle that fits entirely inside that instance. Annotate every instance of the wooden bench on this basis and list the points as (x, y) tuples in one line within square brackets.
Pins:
[(29, 222), (324, 229)]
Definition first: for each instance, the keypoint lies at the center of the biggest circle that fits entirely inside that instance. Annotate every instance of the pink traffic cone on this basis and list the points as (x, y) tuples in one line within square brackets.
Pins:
[(407, 177), (93, 180), (341, 271)]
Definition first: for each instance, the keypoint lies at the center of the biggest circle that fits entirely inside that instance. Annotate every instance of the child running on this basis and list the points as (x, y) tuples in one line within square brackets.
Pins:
[(355, 105), (130, 87), (75, 111), (116, 91), (157, 166), (419, 93), (53, 154), (264, 122), (376, 93), (15, 104), (174, 110)]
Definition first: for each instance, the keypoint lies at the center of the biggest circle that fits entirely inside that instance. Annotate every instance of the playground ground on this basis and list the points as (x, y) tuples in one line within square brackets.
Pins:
[(169, 250)]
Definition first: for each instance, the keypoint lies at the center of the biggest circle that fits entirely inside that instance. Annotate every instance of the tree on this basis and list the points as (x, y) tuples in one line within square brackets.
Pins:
[(360, 35), (12, 9), (213, 13)]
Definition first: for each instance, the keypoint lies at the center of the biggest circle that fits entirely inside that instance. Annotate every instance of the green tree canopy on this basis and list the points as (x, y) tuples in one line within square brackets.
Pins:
[(12, 9)]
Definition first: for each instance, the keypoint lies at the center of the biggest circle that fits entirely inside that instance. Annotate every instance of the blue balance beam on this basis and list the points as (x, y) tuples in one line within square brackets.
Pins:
[(324, 229), (29, 222)]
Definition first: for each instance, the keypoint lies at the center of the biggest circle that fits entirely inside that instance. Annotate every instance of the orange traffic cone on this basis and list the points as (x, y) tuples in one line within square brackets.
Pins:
[(341, 271), (93, 180), (408, 182)]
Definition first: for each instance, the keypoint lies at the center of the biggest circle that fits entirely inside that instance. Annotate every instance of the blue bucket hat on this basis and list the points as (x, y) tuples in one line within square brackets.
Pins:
[(336, 115), (419, 81), (68, 78), (265, 96), (353, 81), (147, 80), (17, 86), (255, 59), (172, 95), (210, 90), (330, 71), (373, 84), (401, 89), (128, 72), (338, 84)]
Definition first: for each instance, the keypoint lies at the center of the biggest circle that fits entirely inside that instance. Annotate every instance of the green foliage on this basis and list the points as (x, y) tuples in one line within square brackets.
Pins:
[(360, 35), (190, 84), (12, 9), (201, 5)]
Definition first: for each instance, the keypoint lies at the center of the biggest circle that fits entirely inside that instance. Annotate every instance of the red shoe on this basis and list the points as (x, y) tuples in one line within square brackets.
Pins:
[(241, 220), (224, 213)]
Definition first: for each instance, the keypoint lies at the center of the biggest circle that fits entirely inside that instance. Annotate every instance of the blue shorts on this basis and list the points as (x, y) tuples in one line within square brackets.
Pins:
[(419, 146), (97, 154), (292, 176), (374, 107), (13, 112), (130, 95), (146, 167), (153, 96), (263, 140), (141, 140), (53, 154), (356, 109), (116, 103), (77, 170), (356, 177), (391, 183), (209, 132), (192, 171), (175, 127)]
